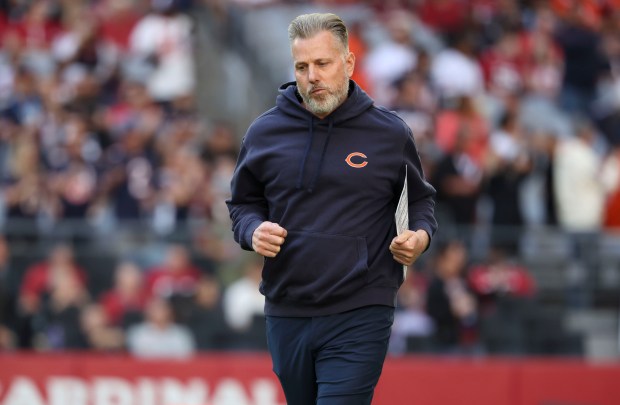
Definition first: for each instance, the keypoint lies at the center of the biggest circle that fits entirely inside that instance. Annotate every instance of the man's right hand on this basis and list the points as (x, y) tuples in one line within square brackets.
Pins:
[(268, 238)]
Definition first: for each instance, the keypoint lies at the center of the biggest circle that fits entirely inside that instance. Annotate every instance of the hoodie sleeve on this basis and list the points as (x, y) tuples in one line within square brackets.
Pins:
[(247, 205), (421, 193)]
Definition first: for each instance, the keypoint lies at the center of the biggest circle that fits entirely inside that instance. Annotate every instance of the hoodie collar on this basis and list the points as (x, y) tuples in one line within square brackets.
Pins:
[(356, 103)]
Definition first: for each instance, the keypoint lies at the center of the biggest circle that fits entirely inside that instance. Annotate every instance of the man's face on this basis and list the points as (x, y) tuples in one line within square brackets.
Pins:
[(322, 72)]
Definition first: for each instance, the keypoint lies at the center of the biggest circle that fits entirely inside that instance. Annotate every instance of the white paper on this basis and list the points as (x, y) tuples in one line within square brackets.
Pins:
[(402, 215)]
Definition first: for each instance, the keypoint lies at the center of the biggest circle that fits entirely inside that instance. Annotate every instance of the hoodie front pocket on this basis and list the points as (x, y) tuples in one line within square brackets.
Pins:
[(315, 268)]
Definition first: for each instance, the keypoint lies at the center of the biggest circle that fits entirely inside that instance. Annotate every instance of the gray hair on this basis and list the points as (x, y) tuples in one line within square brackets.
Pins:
[(308, 25)]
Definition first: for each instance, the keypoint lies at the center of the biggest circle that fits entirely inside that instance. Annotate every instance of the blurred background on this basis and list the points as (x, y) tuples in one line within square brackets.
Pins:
[(120, 123)]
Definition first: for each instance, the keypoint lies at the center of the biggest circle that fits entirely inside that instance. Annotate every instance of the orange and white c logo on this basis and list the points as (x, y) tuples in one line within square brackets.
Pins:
[(350, 162)]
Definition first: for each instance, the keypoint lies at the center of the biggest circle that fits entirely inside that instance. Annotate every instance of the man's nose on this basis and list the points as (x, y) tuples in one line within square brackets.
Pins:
[(313, 75)]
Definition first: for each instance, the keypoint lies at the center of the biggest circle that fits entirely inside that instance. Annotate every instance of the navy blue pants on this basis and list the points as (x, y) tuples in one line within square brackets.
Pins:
[(330, 360)]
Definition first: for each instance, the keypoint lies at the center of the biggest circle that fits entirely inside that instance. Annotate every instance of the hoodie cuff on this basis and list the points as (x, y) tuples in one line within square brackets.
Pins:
[(249, 232), (424, 227)]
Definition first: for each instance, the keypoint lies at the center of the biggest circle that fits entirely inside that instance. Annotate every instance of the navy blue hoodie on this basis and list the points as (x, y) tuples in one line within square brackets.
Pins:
[(333, 184)]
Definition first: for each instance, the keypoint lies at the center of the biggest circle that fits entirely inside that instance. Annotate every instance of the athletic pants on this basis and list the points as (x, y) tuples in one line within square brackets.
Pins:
[(330, 360)]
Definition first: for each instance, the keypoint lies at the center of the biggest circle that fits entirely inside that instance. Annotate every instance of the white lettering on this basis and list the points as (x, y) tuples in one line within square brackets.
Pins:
[(23, 392), (71, 390), (67, 391), (145, 392), (175, 393), (112, 391), (230, 392), (264, 392)]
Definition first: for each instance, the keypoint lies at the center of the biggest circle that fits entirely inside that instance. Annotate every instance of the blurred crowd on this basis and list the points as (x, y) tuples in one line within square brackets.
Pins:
[(171, 308), (514, 106), (98, 120)]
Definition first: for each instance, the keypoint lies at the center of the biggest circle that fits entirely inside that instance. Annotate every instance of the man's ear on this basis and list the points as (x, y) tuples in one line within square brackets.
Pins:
[(350, 64)]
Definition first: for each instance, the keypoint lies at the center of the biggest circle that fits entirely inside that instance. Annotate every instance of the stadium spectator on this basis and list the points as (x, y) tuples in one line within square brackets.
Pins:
[(34, 32), (413, 326), (392, 58), (129, 167), (508, 163), (43, 277), (58, 321), (205, 316), (124, 303), (503, 67), (577, 183), (460, 57), (584, 62), (465, 116), (499, 276), (458, 180), (176, 276), (451, 304), (40, 285), (97, 332), (25, 195), (415, 103), (242, 300), (542, 56), (159, 336), (7, 298), (162, 42)]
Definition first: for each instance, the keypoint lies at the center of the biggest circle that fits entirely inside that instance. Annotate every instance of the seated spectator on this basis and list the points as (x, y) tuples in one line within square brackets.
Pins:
[(205, 316), (159, 336), (58, 319), (451, 304), (500, 277), (7, 298), (97, 331), (41, 278), (242, 299), (40, 281), (411, 321), (124, 303), (176, 276)]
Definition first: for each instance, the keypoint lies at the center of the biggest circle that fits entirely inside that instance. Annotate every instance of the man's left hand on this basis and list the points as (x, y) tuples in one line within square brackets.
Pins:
[(408, 246)]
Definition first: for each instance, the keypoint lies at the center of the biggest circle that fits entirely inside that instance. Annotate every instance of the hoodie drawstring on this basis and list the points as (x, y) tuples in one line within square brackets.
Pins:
[(318, 169), (302, 169)]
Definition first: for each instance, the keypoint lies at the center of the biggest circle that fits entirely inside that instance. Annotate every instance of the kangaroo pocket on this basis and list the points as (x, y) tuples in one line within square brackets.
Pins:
[(315, 268)]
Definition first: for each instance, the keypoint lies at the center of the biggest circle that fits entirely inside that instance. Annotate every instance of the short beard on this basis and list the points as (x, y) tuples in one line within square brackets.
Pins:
[(325, 105)]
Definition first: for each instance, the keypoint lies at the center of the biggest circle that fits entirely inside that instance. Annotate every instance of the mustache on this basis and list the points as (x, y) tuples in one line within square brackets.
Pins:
[(314, 87)]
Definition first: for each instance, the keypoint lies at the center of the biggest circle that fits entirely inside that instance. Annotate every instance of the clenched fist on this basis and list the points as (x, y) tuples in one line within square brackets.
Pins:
[(408, 246), (268, 238)]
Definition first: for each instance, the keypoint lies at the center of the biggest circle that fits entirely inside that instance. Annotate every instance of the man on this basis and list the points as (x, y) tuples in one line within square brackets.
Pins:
[(314, 192)]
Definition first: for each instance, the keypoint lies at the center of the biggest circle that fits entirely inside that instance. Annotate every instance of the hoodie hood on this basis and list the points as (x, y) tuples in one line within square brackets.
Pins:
[(289, 102)]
